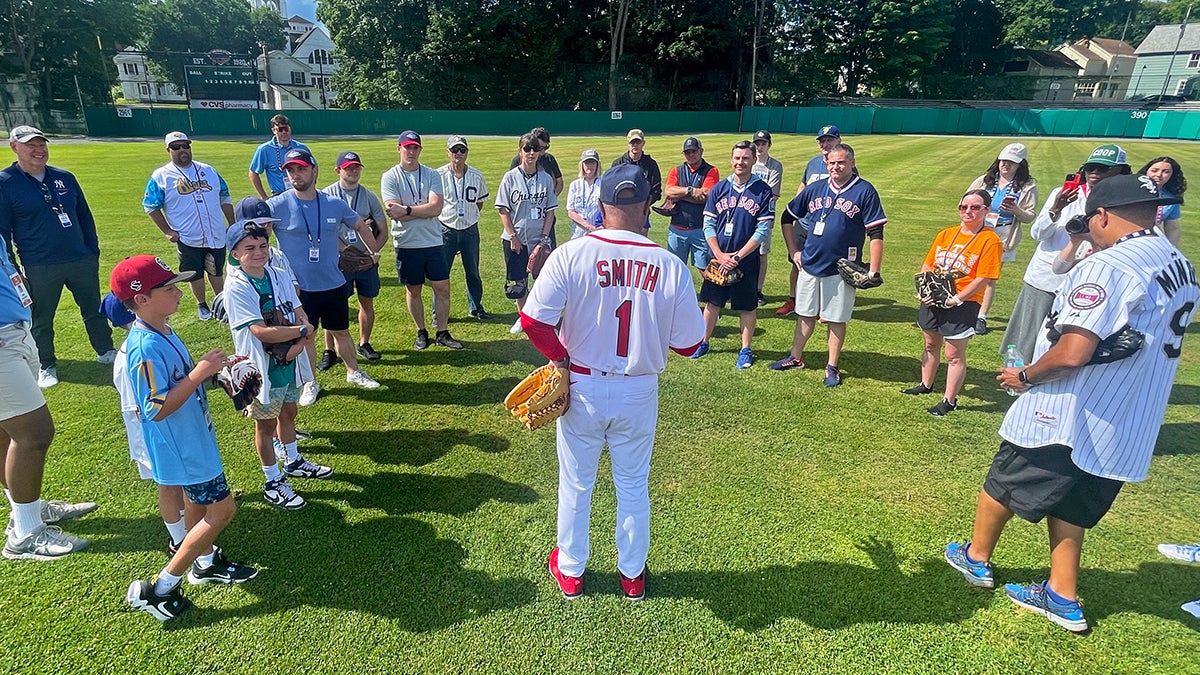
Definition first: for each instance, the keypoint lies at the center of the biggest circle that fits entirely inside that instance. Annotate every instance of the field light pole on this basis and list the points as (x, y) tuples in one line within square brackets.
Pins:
[(1139, 80), (1171, 63)]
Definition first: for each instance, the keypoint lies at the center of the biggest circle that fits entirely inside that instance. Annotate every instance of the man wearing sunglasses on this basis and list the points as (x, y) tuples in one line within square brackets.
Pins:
[(268, 159), (190, 203), (1037, 293), (464, 191), (48, 229)]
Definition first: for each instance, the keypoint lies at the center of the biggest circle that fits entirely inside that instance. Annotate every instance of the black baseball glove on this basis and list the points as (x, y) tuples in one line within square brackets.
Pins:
[(278, 351), (241, 380), (857, 274), (1120, 345), (935, 286)]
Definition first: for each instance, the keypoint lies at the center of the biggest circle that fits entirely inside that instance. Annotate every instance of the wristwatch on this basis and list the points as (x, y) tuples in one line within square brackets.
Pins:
[(689, 190), (736, 257), (303, 332), (1023, 379), (408, 210)]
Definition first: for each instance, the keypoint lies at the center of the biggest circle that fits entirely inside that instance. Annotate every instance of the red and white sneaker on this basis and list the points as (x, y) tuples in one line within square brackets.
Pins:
[(635, 588), (571, 587)]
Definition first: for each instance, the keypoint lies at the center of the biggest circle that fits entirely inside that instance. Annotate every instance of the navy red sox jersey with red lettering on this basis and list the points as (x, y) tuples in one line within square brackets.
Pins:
[(635, 301), (1109, 414), (838, 222)]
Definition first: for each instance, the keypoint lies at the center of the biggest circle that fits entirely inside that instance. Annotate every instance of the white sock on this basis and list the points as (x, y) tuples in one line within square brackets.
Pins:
[(8, 496), (26, 518), (982, 316), (166, 582), (177, 531), (271, 472), (293, 454), (206, 560)]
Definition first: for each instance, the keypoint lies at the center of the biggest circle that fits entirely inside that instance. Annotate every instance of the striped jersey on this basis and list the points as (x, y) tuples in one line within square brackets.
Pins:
[(1109, 414)]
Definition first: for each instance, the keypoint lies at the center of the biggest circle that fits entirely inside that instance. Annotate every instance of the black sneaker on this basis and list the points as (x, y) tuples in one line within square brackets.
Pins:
[(944, 408), (302, 435), (482, 315), (981, 326), (328, 358), (444, 339), (422, 339), (141, 596), (172, 547), (917, 390), (221, 571), (761, 300), (368, 352)]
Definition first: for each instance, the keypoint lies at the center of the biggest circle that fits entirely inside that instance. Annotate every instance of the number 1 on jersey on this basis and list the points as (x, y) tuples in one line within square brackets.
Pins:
[(624, 312)]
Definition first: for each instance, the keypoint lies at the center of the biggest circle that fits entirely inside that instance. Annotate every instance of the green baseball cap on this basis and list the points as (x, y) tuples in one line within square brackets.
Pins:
[(1108, 155)]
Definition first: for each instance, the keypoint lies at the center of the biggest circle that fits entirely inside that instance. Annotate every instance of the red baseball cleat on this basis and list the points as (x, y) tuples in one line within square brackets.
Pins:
[(571, 587), (635, 588)]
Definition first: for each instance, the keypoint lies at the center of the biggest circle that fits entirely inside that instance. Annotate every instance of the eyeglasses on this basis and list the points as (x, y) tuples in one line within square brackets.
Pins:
[(180, 146), (283, 127), (459, 150), (530, 148), (1097, 168), (970, 207)]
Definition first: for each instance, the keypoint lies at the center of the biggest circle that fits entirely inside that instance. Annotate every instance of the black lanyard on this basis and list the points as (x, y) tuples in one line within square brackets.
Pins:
[(354, 203), (183, 356), (307, 227), (416, 194)]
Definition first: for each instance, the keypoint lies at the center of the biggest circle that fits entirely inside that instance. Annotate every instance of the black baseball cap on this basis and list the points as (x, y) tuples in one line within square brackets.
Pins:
[(1126, 190), (692, 143), (762, 135)]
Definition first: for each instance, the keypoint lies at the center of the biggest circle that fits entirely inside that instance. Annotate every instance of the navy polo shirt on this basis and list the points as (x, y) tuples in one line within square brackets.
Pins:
[(29, 219)]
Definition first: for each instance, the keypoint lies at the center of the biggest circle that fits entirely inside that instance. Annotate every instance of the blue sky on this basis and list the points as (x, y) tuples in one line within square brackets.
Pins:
[(305, 8)]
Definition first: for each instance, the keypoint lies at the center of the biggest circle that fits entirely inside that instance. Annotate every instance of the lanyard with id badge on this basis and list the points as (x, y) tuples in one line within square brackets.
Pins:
[(64, 218), (314, 249), (818, 227)]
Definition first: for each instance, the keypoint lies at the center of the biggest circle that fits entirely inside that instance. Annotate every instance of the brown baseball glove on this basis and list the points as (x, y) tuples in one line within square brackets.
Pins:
[(278, 351), (713, 274), (538, 256), (935, 286), (857, 274), (540, 398), (353, 259)]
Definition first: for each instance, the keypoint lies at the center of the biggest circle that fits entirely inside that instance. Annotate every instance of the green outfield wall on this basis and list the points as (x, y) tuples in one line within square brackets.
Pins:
[(108, 122), (1181, 125)]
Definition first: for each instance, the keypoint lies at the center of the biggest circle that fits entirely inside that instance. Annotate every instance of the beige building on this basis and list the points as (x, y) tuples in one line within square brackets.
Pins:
[(1105, 68)]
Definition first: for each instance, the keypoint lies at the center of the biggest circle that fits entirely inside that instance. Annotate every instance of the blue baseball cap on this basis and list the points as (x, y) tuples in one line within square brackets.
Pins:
[(409, 137), (255, 210), (828, 130), (115, 311), (298, 156), (624, 177), (239, 231)]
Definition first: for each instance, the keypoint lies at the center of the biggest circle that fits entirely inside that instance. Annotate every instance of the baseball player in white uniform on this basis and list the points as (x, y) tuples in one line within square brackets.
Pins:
[(1086, 424), (623, 301)]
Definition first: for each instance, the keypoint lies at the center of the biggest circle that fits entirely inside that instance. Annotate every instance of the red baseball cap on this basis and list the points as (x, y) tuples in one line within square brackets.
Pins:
[(141, 273)]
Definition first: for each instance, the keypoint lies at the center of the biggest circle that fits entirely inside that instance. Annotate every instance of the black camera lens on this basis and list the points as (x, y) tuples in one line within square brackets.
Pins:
[(1077, 225)]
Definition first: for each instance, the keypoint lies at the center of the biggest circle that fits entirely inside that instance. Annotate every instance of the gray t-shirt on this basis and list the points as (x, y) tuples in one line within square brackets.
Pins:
[(365, 204), (413, 189)]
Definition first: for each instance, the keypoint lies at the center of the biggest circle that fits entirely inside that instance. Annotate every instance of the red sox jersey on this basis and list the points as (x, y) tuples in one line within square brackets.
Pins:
[(623, 299), (1109, 414)]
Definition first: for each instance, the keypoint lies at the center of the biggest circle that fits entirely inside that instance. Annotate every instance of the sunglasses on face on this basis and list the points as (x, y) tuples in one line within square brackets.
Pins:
[(1097, 168), (530, 148), (970, 207), (285, 127), (180, 146), (459, 150)]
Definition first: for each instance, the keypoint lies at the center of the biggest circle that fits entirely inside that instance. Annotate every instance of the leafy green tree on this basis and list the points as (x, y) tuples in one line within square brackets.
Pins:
[(172, 27)]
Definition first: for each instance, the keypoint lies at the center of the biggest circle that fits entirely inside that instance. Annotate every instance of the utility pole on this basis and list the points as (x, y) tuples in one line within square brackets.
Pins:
[(1171, 63)]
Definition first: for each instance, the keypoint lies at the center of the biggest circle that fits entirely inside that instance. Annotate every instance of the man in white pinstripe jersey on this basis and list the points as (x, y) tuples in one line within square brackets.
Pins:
[(1085, 425)]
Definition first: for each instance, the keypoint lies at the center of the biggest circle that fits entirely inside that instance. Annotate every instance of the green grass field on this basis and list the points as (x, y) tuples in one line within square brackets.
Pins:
[(795, 529)]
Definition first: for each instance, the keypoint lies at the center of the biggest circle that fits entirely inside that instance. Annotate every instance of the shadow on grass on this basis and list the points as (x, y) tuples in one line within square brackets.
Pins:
[(904, 370), (393, 567), (405, 493), (410, 447), (884, 310), (488, 391), (1178, 438), (1185, 394)]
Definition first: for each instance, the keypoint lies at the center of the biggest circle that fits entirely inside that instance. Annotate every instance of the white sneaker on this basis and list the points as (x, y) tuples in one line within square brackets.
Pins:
[(55, 510), (107, 357), (516, 328), (47, 377), (1192, 608), (204, 312), (45, 543), (1184, 552), (308, 393), (361, 379)]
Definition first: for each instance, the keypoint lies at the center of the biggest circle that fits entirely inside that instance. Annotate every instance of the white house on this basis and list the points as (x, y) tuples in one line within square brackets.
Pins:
[(139, 84), (297, 76)]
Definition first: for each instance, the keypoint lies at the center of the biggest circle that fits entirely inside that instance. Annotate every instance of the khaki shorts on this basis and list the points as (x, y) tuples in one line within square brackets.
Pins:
[(827, 297), (18, 371), (277, 397)]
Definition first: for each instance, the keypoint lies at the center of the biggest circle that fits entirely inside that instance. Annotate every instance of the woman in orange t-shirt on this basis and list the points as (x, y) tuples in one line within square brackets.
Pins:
[(973, 252)]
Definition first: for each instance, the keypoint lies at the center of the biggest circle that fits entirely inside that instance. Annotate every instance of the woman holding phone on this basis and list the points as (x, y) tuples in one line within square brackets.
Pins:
[(1013, 202)]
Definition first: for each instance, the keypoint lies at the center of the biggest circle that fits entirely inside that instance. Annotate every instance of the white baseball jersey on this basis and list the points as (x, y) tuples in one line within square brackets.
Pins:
[(635, 301), (131, 414), (190, 199), (1109, 414), (461, 197)]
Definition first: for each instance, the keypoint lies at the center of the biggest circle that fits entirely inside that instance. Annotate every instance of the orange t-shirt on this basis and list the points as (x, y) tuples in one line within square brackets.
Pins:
[(973, 258)]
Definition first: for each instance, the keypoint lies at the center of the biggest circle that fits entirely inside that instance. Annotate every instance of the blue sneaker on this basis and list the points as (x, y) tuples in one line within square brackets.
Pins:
[(701, 350), (976, 573), (1035, 598), (833, 376), (745, 358)]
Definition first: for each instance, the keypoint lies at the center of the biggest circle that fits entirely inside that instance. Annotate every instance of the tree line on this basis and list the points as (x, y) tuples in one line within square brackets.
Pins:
[(587, 54)]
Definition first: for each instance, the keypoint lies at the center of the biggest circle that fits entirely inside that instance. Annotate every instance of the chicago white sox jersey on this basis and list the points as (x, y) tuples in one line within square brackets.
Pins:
[(412, 188), (528, 199), (190, 199), (624, 301), (1109, 414), (585, 200), (461, 197)]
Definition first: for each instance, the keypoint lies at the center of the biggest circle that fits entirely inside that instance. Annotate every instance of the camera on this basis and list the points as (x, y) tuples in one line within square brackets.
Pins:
[(1077, 225)]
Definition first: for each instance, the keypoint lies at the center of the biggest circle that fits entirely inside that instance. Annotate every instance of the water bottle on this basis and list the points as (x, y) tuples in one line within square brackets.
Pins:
[(1012, 359)]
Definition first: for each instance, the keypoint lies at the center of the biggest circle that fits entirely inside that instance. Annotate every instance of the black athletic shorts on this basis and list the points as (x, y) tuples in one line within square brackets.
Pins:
[(742, 296), (210, 261), (327, 309), (415, 265), (1038, 482), (956, 323)]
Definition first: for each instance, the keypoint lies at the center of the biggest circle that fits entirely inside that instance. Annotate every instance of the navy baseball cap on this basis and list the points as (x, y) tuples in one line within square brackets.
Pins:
[(115, 311), (409, 137), (348, 158), (1126, 190), (624, 177), (239, 231), (254, 210), (828, 130), (692, 143), (298, 156), (762, 135)]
